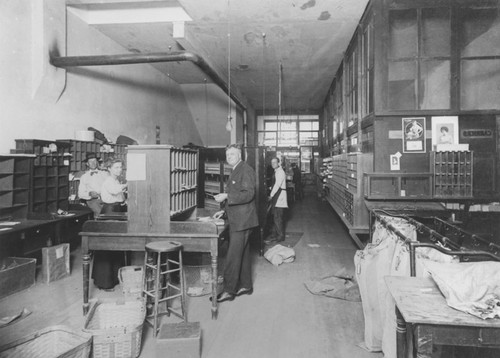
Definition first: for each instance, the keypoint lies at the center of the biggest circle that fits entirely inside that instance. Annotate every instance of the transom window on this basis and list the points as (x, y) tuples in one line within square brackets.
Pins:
[(289, 131)]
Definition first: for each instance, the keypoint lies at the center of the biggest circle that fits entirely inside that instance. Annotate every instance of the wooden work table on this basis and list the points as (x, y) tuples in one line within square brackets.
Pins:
[(420, 304), (112, 235), (20, 237)]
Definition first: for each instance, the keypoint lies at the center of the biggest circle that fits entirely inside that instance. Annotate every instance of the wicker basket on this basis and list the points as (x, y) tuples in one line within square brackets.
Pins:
[(116, 328), (52, 342), (131, 280)]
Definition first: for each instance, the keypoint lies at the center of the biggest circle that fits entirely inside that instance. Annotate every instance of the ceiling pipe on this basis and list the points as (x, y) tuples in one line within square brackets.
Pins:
[(126, 59)]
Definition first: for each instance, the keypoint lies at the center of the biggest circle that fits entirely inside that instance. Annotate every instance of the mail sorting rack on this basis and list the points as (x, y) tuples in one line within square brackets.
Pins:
[(452, 174), (162, 184), (183, 181)]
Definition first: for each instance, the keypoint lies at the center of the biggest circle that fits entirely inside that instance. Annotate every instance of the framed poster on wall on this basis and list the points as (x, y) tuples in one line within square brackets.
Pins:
[(413, 135), (444, 130)]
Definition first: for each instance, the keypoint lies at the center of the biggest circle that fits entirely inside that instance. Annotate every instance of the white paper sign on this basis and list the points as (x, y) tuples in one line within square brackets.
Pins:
[(59, 252), (136, 166), (395, 162)]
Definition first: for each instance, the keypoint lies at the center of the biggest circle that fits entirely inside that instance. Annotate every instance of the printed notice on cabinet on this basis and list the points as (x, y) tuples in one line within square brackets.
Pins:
[(136, 166)]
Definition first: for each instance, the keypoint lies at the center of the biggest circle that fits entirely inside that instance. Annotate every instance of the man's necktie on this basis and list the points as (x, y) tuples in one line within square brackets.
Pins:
[(94, 172)]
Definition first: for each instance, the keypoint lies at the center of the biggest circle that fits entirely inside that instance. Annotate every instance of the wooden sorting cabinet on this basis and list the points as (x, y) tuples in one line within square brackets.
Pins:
[(216, 175), (183, 182), (50, 184), (79, 151), (162, 185), (212, 183), (118, 151), (452, 174), (15, 183), (335, 186), (345, 191)]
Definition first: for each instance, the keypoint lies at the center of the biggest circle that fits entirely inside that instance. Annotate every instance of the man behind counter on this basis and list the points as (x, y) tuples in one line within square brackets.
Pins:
[(91, 182)]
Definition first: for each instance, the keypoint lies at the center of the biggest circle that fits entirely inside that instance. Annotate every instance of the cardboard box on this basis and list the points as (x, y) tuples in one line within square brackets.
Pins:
[(55, 262), (16, 274), (180, 340)]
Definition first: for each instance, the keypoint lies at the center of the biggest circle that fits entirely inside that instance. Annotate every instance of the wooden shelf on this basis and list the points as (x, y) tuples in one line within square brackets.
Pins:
[(394, 186), (215, 178), (49, 185), (15, 184)]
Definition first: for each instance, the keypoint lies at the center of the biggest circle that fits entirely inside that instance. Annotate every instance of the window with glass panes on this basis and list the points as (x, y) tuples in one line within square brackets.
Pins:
[(480, 58), (352, 88), (367, 66), (289, 131), (419, 61)]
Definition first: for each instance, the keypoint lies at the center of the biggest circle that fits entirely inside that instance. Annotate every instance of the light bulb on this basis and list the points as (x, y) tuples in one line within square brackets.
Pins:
[(229, 124)]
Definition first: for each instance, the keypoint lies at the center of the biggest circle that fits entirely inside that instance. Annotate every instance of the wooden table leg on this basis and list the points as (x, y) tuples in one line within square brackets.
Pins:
[(400, 335), (215, 281), (423, 341), (86, 271)]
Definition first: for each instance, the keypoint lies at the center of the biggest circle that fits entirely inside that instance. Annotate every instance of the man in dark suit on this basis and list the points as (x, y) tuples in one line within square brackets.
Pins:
[(241, 212)]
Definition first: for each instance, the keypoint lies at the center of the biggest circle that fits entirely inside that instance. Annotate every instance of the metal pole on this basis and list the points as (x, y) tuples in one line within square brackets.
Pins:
[(155, 57)]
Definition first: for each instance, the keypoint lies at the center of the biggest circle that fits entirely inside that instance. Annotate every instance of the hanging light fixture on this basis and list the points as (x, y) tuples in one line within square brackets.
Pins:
[(229, 124)]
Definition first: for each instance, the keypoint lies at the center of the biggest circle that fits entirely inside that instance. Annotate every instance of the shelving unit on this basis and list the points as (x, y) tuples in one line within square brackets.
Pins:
[(50, 184), (393, 186), (118, 151), (162, 186), (212, 183), (452, 174), (15, 179), (344, 191), (79, 151), (216, 175), (183, 180)]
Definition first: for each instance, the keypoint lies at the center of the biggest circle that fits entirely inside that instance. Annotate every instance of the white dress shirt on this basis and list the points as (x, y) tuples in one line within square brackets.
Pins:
[(91, 180)]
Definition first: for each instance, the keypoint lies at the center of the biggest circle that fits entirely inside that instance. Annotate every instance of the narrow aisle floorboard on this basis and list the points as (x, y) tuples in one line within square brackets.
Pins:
[(281, 319)]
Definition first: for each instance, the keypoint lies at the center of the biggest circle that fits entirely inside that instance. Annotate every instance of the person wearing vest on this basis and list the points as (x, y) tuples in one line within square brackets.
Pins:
[(90, 186)]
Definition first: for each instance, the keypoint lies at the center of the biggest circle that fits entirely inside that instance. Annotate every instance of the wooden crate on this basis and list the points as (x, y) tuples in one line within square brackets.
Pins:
[(16, 274), (180, 340)]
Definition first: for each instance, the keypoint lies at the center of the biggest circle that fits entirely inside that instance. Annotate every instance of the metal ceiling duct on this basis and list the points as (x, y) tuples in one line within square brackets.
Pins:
[(126, 59)]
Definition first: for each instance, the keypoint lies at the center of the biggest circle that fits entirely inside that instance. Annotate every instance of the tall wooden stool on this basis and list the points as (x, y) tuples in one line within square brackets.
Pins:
[(159, 265)]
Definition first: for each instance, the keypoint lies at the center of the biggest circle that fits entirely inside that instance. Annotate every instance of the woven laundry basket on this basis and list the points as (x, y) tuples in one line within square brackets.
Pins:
[(51, 342), (116, 328)]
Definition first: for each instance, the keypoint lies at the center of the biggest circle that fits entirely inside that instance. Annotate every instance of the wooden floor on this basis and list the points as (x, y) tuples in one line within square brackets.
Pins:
[(281, 319)]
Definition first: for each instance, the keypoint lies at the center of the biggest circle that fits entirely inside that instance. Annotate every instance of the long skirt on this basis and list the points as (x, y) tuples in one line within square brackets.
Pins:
[(105, 268), (107, 263)]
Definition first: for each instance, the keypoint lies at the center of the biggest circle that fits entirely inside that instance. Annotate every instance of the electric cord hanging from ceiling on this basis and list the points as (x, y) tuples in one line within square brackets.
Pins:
[(207, 121), (229, 124), (280, 79), (263, 81)]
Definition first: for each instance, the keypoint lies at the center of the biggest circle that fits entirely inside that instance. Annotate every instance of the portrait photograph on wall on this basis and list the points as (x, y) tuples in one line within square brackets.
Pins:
[(414, 135), (444, 130)]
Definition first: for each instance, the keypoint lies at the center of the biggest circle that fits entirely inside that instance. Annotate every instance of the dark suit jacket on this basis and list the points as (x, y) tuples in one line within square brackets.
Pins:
[(241, 191)]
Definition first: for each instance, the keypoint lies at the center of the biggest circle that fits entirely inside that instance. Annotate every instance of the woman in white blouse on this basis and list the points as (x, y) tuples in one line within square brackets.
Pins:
[(112, 191), (107, 263)]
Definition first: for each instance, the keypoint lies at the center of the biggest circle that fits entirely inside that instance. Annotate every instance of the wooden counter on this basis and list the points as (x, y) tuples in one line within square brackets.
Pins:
[(195, 236)]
